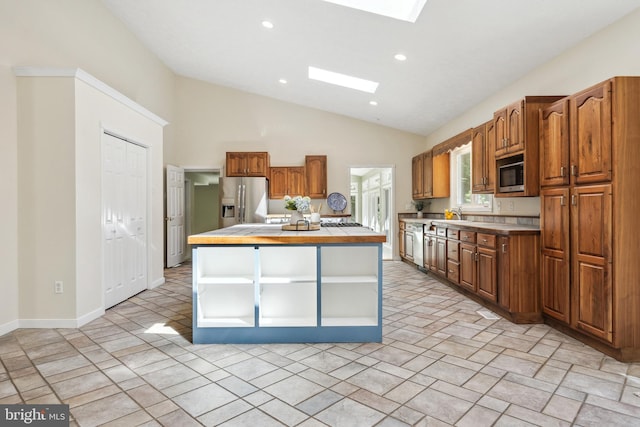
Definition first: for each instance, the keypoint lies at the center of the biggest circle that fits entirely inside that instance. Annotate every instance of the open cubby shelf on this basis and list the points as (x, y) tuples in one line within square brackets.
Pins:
[(287, 293)]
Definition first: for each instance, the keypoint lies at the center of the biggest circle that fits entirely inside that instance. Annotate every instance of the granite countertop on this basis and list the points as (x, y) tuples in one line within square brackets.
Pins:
[(274, 234), (496, 227)]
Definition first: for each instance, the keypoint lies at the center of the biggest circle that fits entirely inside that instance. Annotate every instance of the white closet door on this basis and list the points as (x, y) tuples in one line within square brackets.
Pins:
[(124, 182)]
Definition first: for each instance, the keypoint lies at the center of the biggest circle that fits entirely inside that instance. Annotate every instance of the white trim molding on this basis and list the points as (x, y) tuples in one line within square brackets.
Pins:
[(87, 78)]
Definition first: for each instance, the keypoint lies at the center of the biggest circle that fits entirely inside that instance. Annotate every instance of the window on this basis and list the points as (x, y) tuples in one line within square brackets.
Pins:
[(461, 195)]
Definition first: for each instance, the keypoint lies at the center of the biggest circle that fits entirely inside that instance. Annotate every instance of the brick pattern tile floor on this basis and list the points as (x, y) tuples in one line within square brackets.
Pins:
[(441, 363)]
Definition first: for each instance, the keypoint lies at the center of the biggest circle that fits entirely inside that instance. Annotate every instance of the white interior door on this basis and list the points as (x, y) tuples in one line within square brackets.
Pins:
[(124, 219), (175, 215)]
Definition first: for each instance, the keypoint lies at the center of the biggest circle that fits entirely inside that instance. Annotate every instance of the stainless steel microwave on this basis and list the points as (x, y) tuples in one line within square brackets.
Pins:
[(511, 177)]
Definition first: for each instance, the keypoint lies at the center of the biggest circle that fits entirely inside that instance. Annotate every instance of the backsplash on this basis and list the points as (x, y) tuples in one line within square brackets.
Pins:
[(498, 219)]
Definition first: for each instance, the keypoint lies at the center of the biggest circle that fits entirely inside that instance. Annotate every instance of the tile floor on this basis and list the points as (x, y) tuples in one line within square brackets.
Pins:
[(441, 363)]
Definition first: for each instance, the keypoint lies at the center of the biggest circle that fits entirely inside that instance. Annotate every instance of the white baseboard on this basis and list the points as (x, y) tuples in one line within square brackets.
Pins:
[(86, 318), (9, 327), (48, 323), (157, 283)]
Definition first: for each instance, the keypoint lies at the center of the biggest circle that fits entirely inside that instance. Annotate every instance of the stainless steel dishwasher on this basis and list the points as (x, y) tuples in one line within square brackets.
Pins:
[(415, 233)]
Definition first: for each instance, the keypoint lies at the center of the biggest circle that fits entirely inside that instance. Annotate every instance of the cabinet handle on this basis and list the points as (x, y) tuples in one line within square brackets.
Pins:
[(561, 200), (450, 271), (484, 240), (574, 170), (477, 257), (562, 171), (504, 248), (574, 200)]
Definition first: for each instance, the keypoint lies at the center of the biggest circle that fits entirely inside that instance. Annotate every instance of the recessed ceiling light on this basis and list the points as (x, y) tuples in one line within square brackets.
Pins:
[(267, 24), (343, 80), (405, 10), (400, 57), (374, 103), (283, 81)]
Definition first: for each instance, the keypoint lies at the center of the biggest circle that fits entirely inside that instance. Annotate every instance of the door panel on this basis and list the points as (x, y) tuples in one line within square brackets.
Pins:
[(591, 253), (124, 219), (175, 215)]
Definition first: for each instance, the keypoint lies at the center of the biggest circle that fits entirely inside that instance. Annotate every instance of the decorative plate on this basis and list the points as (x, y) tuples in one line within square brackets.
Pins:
[(337, 201)]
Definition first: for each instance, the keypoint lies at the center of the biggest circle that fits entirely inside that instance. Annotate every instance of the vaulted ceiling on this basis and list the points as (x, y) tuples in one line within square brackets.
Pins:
[(458, 51)]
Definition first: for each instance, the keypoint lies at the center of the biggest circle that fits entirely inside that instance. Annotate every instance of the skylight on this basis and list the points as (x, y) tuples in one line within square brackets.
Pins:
[(342, 80), (405, 10)]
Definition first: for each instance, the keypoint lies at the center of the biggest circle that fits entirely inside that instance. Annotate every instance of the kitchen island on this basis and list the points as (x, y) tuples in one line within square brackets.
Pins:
[(257, 283)]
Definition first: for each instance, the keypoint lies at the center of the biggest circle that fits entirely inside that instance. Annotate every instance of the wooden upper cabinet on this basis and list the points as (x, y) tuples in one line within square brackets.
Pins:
[(483, 158), (286, 181), (516, 126), (316, 176), (254, 164), (554, 144), (591, 117), (417, 176)]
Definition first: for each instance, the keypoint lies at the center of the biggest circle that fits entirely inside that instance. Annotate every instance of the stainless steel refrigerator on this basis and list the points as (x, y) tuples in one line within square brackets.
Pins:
[(243, 200)]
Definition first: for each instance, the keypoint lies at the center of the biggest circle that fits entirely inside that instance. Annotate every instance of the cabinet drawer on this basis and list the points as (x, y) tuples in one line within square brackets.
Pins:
[(441, 231), (453, 271), (453, 251), (453, 233), (468, 236), (487, 240)]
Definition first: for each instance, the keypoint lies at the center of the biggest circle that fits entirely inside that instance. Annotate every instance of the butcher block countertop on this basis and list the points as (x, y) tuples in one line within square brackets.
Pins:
[(248, 234)]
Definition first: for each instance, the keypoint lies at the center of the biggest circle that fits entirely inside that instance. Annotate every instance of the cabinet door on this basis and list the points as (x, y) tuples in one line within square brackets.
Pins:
[(236, 164), (487, 273), (554, 144), (316, 176), (441, 256), (427, 174), (441, 175), (504, 273), (490, 157), (500, 129), (278, 182), (591, 243), (401, 248), (478, 159), (417, 176), (591, 135), (296, 181), (515, 127), (554, 221), (257, 163), (468, 266)]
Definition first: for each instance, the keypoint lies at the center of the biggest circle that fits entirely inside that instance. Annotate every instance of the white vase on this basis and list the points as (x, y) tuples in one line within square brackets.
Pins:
[(419, 214), (295, 217)]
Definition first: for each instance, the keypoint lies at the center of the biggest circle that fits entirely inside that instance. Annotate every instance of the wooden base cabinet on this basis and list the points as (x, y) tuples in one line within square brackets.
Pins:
[(519, 277)]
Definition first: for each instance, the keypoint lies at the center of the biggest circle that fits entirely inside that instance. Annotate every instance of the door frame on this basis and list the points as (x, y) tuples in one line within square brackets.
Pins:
[(391, 241), (187, 208)]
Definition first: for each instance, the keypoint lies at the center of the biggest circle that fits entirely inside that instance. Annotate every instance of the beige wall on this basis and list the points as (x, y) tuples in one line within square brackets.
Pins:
[(67, 34), (611, 52), (211, 120), (60, 123)]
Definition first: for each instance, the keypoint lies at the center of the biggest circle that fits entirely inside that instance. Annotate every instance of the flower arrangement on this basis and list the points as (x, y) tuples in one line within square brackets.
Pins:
[(418, 204), (297, 203)]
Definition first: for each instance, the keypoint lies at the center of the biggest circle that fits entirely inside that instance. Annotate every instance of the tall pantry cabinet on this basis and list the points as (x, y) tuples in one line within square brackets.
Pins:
[(590, 170)]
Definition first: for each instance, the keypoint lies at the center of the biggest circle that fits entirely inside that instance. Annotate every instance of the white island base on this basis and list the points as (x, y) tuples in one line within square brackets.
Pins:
[(285, 293)]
